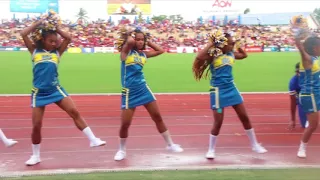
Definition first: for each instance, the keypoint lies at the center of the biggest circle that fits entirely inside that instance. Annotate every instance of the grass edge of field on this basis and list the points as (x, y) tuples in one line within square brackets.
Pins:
[(251, 174)]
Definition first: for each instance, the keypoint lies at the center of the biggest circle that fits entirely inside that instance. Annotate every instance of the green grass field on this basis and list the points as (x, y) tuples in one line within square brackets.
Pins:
[(281, 174), (100, 73)]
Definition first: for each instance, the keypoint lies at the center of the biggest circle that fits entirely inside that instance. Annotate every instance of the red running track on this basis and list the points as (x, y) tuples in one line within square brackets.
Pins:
[(188, 118)]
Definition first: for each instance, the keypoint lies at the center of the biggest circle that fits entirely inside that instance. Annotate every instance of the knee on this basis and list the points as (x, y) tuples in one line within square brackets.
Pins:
[(74, 113), (156, 117), (313, 126), (216, 127)]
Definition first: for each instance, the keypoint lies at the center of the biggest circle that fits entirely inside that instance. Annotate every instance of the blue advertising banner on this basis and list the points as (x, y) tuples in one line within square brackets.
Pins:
[(34, 6), (87, 50)]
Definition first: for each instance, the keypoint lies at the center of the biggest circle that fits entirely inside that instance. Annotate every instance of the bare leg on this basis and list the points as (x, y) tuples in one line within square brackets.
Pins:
[(244, 118), (37, 117), (155, 115), (69, 107), (215, 131), (126, 119), (313, 119)]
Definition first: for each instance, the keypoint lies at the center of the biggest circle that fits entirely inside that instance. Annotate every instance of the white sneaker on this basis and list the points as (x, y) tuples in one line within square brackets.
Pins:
[(10, 142), (33, 160), (120, 155), (259, 149), (175, 148), (97, 142), (211, 155), (302, 153)]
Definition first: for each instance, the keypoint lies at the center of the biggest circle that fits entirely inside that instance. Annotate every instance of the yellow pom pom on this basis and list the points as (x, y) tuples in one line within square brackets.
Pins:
[(299, 27), (36, 35), (299, 22), (218, 39)]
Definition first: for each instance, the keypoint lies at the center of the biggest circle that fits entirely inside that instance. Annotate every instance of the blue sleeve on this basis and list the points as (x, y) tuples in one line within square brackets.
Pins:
[(293, 85), (231, 54)]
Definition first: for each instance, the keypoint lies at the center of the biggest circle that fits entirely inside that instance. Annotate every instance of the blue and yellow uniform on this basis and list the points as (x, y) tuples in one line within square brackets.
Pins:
[(294, 90), (223, 92), (309, 81), (135, 91), (46, 88)]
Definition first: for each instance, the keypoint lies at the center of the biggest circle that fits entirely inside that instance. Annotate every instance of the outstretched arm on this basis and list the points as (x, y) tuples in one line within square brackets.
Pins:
[(24, 34), (66, 40), (157, 50)]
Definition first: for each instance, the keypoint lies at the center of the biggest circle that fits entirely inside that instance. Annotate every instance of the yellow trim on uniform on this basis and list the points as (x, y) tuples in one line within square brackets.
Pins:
[(61, 92), (314, 105), (313, 101), (34, 96), (223, 60), (151, 92), (215, 90), (41, 57), (217, 98), (126, 94)]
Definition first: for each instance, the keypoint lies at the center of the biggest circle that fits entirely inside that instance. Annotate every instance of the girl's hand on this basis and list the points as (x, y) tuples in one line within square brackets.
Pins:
[(292, 125)]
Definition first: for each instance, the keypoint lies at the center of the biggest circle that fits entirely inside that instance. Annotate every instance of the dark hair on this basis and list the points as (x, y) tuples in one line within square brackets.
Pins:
[(199, 66), (44, 34), (297, 65), (138, 31), (310, 43)]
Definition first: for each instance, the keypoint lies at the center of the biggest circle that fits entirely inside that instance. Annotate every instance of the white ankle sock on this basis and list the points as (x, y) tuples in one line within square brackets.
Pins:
[(36, 150), (212, 142), (252, 136), (166, 136), (3, 136), (87, 131), (303, 145), (123, 144)]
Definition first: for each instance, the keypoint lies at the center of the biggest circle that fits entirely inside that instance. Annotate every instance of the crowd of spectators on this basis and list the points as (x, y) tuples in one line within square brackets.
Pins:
[(102, 33)]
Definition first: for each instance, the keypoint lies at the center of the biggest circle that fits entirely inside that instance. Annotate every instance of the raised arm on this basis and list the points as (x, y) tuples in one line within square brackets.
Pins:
[(203, 54), (129, 44), (66, 40), (24, 34), (241, 54), (201, 62), (157, 50), (306, 58)]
